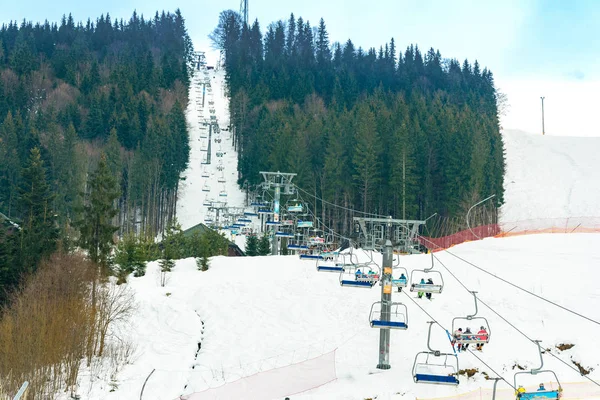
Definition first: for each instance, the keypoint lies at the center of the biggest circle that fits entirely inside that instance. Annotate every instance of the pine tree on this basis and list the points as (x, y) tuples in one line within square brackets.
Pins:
[(39, 231), (251, 245), (264, 246), (96, 227)]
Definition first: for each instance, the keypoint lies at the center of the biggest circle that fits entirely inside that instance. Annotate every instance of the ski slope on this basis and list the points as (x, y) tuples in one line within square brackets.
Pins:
[(246, 316), (190, 206), (550, 176), (244, 311)]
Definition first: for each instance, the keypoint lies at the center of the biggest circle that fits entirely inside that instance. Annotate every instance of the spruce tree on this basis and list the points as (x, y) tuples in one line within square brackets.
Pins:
[(264, 246), (251, 248), (96, 226), (39, 231)]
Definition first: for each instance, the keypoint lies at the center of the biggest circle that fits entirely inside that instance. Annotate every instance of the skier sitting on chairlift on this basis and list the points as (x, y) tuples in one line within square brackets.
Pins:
[(455, 336), (403, 280), (467, 333), (420, 294), (542, 388), (429, 282), (482, 335), (358, 274)]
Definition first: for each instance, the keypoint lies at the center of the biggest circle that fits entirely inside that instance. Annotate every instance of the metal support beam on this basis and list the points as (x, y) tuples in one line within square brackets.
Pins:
[(281, 182), (472, 207), (386, 301)]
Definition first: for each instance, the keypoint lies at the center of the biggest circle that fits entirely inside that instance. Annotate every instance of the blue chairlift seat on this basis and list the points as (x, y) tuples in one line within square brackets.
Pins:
[(388, 324), (360, 284), (439, 379), (399, 282), (284, 234), (330, 268), (244, 220), (297, 247), (541, 394), (310, 257), (250, 214), (273, 223)]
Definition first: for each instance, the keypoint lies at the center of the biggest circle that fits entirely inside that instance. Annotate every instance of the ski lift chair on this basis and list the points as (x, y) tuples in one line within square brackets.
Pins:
[(538, 394), (435, 367), (397, 318), (206, 188), (479, 321), (205, 173), (222, 193), (416, 286), (221, 179), (360, 275), (400, 282), (329, 265)]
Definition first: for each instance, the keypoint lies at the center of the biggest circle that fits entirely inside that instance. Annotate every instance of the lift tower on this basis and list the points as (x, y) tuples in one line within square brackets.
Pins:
[(278, 181), (244, 11)]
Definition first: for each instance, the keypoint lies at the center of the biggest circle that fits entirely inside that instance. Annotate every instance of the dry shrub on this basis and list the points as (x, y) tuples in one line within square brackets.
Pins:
[(62, 315), (565, 346), (167, 100), (59, 98)]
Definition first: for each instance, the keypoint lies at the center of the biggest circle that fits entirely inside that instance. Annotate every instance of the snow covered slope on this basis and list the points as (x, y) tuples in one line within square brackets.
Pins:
[(550, 176), (190, 206), (248, 309)]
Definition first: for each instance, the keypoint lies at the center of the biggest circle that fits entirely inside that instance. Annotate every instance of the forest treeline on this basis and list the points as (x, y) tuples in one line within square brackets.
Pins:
[(93, 136), (383, 131)]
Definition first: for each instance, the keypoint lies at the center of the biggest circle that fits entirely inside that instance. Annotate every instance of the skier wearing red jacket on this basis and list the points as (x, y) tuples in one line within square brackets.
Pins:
[(483, 335)]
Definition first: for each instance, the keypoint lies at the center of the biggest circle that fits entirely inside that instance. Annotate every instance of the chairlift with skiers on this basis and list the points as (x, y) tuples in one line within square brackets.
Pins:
[(419, 284), (361, 275), (541, 392), (482, 336)]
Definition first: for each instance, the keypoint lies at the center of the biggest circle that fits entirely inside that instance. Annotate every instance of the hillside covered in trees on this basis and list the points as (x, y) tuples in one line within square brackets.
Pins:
[(406, 134), (82, 102)]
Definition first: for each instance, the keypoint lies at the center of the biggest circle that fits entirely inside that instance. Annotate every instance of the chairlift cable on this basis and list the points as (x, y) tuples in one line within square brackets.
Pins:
[(511, 324), (338, 206)]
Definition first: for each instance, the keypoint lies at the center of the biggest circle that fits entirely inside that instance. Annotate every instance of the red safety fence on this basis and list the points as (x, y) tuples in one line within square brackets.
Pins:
[(444, 242), (516, 228)]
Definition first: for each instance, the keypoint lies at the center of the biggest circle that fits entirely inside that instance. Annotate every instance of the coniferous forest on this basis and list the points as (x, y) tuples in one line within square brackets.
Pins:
[(91, 120), (403, 133)]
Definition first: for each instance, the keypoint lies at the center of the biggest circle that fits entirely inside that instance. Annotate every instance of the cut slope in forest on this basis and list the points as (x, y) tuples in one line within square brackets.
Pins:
[(406, 134), (550, 177)]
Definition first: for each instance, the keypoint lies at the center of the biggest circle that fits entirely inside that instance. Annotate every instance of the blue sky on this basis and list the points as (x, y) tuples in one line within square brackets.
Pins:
[(533, 47)]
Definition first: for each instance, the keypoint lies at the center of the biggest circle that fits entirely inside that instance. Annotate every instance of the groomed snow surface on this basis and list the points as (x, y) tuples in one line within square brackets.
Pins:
[(550, 177), (190, 208), (253, 314)]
